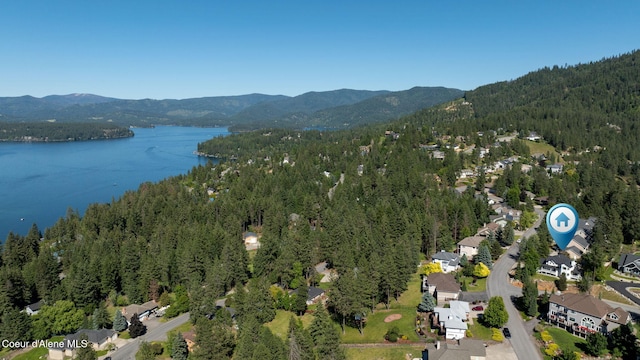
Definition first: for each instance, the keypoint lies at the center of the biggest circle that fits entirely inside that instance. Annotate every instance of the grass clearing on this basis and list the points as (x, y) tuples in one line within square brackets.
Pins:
[(479, 331), (542, 148), (280, 324), (376, 328), (37, 353), (396, 352), (480, 285), (565, 340)]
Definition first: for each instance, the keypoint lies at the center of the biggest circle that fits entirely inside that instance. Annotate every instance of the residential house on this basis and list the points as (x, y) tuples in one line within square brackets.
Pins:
[(452, 320), (251, 241), (464, 349), (555, 168), (582, 314), (143, 311), (580, 242), (488, 229), (33, 309), (469, 246), (99, 339), (467, 173), (559, 264), (438, 155), (533, 137), (448, 261), (190, 339), (314, 294), (443, 287), (629, 264)]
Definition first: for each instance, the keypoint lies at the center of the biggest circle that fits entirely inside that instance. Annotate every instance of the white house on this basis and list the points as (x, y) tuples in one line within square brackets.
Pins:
[(448, 261), (453, 320), (559, 264)]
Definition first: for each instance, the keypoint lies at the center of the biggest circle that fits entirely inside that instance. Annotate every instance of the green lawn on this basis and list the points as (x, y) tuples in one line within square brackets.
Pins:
[(479, 331), (565, 340), (376, 328), (37, 353), (280, 324), (541, 148), (396, 352), (480, 285)]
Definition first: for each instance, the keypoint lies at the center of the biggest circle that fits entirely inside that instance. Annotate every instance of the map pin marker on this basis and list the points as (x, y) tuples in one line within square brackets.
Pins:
[(562, 222)]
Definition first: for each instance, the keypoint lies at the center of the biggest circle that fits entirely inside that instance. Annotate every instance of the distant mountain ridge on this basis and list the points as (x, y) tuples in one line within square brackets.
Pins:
[(337, 108)]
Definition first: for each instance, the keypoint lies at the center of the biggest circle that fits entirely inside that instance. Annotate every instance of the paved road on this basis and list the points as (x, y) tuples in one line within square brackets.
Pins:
[(159, 333), (498, 285), (621, 287)]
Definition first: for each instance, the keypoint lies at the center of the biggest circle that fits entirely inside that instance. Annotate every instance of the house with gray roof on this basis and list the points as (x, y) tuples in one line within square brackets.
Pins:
[(99, 340), (462, 350), (629, 264), (448, 261), (453, 320), (557, 265), (583, 314), (469, 246)]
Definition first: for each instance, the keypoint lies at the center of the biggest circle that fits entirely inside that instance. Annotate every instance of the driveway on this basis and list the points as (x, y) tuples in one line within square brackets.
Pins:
[(621, 287), (156, 331)]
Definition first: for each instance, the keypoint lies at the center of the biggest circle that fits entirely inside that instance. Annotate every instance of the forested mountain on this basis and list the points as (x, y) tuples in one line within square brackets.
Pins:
[(382, 107), (242, 112), (367, 200)]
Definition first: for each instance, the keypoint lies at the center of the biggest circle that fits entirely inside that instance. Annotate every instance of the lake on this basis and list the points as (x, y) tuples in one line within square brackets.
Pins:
[(40, 181)]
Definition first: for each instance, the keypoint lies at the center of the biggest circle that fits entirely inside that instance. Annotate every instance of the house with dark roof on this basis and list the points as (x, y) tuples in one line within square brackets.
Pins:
[(99, 340), (448, 261), (583, 314), (559, 264), (33, 309), (314, 294), (629, 264), (581, 240), (443, 287), (461, 350)]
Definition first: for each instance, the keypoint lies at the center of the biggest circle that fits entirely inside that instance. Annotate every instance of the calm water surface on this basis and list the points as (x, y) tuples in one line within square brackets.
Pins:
[(40, 181)]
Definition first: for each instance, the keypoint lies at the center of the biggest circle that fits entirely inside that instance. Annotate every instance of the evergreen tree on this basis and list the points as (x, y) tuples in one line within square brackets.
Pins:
[(100, 318), (484, 256), (427, 303), (300, 299), (325, 337), (15, 325), (529, 297), (214, 340), (136, 327), (179, 349), (561, 283), (596, 344), (299, 342), (119, 322)]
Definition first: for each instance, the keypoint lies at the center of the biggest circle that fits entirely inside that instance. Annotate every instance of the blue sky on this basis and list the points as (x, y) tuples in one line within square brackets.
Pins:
[(182, 49)]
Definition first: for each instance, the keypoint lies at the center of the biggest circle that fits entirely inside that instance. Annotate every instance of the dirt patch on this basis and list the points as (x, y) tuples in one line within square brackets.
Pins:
[(392, 317)]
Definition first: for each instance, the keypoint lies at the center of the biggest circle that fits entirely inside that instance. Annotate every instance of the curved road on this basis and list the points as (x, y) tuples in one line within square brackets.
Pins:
[(128, 351), (498, 285)]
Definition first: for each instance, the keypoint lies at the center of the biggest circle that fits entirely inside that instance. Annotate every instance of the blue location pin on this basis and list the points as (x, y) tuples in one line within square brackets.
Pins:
[(562, 222)]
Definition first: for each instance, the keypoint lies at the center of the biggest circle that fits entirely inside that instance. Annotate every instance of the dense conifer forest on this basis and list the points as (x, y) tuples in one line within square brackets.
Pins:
[(369, 201), (45, 131)]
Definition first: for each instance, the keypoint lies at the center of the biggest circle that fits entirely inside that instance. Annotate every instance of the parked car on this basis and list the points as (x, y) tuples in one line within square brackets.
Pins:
[(507, 333), (477, 308)]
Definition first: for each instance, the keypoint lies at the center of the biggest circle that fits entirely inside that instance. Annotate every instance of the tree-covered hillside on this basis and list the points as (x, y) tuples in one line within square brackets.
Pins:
[(370, 201)]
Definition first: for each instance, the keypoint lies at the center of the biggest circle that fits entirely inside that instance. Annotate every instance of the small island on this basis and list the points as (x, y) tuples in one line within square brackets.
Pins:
[(60, 132)]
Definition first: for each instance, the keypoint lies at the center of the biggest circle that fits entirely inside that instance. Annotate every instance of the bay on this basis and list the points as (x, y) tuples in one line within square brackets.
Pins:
[(40, 181)]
